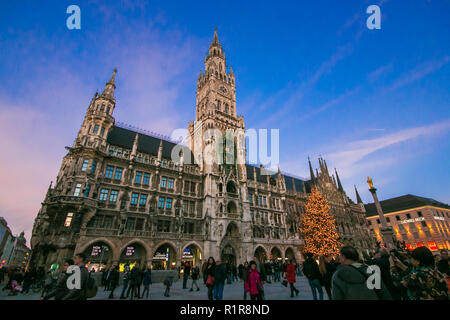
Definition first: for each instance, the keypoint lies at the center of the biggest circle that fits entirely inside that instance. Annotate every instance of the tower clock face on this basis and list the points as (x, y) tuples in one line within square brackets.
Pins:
[(223, 89)]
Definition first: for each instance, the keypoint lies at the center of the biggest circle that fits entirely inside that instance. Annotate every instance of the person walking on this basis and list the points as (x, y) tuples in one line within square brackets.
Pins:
[(79, 293), (105, 278), (291, 278), (146, 281), (425, 282), (204, 275), (327, 268), (311, 271), (245, 274), (60, 290), (385, 268), (210, 270), (349, 282), (255, 286), (195, 275), (186, 274), (234, 272), (114, 277), (135, 282), (126, 280), (220, 275)]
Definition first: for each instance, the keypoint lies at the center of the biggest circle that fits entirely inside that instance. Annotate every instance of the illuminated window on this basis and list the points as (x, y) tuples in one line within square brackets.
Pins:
[(68, 219), (76, 193), (85, 165)]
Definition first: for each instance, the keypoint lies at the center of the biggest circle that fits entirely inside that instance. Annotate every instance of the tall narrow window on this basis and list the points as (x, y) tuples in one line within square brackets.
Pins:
[(94, 166), (86, 191), (169, 203), (143, 200), (85, 165), (108, 109), (76, 193), (161, 203), (102, 108), (118, 175), (109, 172), (138, 177), (102, 132), (163, 182), (96, 129), (103, 195), (113, 196), (146, 179), (68, 221), (134, 198), (170, 184)]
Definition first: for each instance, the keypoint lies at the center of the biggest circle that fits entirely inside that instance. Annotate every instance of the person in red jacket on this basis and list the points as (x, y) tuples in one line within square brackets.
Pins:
[(290, 277), (254, 285)]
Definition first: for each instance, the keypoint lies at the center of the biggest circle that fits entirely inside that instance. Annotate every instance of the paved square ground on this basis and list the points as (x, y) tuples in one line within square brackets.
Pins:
[(234, 291)]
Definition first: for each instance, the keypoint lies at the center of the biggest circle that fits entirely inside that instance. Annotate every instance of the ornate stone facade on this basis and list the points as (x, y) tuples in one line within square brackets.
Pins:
[(120, 197)]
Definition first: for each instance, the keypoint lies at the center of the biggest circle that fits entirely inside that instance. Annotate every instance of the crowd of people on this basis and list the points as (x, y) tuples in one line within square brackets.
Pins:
[(395, 274)]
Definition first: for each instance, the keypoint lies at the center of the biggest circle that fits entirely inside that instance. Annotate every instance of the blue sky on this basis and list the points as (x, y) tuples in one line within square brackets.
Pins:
[(371, 102)]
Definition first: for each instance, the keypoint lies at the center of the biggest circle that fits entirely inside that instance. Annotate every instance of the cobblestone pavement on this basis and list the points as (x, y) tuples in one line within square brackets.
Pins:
[(234, 291)]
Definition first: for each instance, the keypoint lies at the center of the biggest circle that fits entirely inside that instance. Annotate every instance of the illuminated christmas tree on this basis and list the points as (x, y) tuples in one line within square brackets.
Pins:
[(318, 227)]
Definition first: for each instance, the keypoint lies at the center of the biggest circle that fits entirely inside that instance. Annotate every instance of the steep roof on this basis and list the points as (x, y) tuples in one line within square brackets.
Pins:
[(405, 202), (124, 138)]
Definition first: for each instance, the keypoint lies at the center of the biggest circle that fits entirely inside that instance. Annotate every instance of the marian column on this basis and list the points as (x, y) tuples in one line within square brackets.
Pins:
[(387, 234)]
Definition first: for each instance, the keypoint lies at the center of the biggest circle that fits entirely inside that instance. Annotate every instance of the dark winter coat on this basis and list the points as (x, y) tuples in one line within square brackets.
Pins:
[(350, 283), (220, 274), (311, 269)]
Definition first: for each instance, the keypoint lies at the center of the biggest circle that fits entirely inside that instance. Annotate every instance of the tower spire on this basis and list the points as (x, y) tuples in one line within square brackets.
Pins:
[(216, 38), (311, 172), (358, 198), (338, 181), (110, 86)]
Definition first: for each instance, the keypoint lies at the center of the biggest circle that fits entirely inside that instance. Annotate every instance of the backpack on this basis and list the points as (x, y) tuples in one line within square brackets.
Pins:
[(90, 287)]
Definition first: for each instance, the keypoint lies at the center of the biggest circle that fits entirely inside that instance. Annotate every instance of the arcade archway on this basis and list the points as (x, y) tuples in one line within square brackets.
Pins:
[(164, 258), (275, 254), (98, 255), (228, 255), (132, 253), (289, 255), (191, 254), (260, 254)]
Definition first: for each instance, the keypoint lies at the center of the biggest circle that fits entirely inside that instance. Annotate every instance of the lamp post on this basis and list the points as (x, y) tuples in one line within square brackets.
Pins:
[(387, 234)]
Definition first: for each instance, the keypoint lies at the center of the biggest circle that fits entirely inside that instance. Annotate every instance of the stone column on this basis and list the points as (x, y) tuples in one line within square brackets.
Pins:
[(387, 234)]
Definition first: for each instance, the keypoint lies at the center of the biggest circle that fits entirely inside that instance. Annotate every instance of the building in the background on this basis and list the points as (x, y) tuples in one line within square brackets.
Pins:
[(6, 242), (416, 220), (20, 254), (121, 197), (13, 249)]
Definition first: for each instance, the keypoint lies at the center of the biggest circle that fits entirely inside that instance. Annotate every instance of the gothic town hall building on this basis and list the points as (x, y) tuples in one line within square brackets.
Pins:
[(119, 197)]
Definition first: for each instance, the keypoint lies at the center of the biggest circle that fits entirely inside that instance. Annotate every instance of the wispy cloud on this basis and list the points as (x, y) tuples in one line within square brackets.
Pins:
[(376, 74), (348, 159), (419, 72)]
